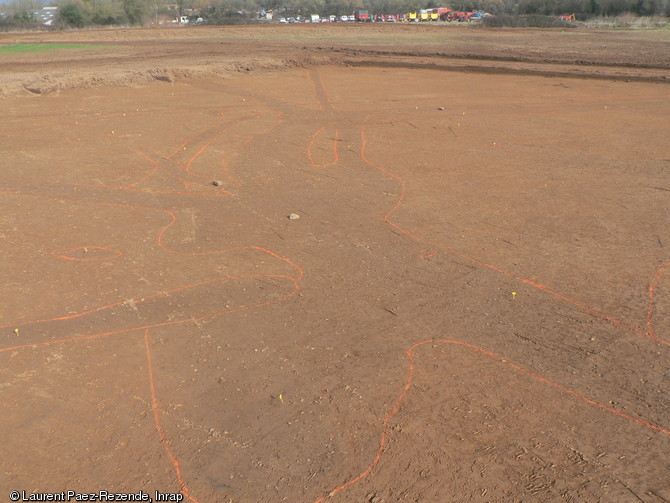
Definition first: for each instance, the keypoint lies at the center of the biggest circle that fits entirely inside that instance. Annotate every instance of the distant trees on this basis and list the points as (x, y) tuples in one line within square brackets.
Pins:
[(557, 7), (595, 7), (78, 13), (22, 11), (70, 15), (491, 6)]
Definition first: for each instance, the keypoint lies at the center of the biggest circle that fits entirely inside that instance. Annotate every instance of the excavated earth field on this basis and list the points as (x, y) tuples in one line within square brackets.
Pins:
[(347, 263)]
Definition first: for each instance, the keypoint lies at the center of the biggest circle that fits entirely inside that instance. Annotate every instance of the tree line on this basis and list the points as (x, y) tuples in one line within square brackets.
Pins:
[(79, 13)]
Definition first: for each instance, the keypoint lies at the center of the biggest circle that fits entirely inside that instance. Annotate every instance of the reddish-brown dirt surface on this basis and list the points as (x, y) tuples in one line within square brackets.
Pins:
[(473, 305)]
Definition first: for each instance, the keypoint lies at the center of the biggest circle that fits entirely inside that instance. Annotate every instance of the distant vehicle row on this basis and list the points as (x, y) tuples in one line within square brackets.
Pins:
[(315, 18), (437, 14)]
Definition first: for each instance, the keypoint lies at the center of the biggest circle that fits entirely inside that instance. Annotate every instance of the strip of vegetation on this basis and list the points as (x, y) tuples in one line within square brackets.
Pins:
[(529, 21), (25, 48)]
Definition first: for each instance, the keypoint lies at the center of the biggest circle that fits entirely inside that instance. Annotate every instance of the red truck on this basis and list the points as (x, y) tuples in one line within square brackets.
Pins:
[(362, 16)]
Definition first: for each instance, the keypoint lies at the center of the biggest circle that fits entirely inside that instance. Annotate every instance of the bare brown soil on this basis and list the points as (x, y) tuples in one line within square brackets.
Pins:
[(473, 304)]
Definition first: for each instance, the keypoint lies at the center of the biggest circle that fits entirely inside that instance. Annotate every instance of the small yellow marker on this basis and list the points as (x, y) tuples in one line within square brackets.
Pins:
[(281, 398), (513, 295), (85, 250), (16, 331)]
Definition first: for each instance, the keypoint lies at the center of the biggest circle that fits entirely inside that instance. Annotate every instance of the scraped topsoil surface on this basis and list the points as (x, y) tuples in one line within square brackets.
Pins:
[(131, 56), (347, 263)]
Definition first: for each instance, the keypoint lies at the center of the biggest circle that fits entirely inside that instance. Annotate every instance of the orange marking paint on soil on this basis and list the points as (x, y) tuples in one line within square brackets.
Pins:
[(226, 171), (216, 314), (65, 341), (322, 97), (159, 429), (189, 164), (387, 218), (183, 146), (68, 253), (250, 247), (63, 253), (146, 327), (408, 383), (336, 155), (224, 163), (426, 254), (148, 175)]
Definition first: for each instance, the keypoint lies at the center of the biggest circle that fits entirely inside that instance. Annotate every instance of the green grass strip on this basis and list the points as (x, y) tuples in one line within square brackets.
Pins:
[(21, 48)]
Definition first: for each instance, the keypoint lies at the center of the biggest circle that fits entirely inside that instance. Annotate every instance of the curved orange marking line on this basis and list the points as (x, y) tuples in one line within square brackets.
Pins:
[(336, 155), (62, 253), (157, 423), (249, 138), (311, 144), (426, 254), (408, 384), (173, 218), (387, 218), (182, 147), (249, 247), (194, 157), (296, 289), (226, 171), (148, 175)]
